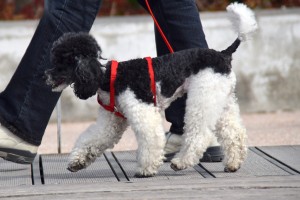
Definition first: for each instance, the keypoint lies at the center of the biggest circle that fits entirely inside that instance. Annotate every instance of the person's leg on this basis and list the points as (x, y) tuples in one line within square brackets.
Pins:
[(181, 24), (27, 103)]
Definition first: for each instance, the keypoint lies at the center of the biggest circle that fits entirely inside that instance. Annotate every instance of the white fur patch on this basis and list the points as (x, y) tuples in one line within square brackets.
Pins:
[(242, 19), (60, 88)]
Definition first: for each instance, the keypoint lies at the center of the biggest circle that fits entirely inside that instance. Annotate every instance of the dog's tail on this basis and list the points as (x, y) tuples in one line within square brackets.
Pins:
[(244, 23)]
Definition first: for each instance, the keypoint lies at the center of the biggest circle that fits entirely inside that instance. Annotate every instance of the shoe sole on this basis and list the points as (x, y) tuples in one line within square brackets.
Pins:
[(17, 156), (212, 154)]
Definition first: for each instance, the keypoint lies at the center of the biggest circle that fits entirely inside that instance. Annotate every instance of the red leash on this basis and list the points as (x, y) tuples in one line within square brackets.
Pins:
[(159, 29)]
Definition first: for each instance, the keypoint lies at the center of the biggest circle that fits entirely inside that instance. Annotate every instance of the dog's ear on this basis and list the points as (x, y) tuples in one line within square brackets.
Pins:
[(86, 77)]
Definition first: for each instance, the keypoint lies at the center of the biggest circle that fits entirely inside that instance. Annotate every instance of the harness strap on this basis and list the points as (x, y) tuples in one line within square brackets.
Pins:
[(113, 74), (114, 66), (152, 80)]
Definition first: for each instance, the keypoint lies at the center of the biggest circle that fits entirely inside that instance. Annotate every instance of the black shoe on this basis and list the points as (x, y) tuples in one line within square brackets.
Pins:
[(212, 154)]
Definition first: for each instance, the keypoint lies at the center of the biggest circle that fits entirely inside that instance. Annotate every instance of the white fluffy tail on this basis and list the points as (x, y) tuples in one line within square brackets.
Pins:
[(243, 20)]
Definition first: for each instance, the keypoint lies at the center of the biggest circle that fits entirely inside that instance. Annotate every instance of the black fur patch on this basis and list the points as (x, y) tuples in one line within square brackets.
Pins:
[(133, 74), (171, 70)]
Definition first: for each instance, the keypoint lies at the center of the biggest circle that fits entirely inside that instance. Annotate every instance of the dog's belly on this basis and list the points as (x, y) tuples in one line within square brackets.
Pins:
[(164, 102)]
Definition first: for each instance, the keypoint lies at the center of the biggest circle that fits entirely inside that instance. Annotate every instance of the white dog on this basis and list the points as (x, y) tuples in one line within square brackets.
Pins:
[(205, 75)]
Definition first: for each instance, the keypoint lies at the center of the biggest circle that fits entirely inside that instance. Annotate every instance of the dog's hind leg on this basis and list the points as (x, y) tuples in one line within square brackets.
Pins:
[(98, 137), (232, 136), (207, 94), (146, 121)]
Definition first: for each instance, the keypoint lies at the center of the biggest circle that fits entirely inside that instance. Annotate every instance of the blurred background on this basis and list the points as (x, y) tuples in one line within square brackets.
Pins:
[(267, 67), (33, 9)]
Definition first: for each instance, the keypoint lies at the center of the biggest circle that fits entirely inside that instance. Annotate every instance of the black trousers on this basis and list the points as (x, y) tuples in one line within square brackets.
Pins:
[(26, 103)]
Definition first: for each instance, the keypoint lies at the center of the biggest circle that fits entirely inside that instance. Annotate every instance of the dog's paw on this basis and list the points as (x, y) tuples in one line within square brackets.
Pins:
[(177, 167), (75, 166), (80, 159), (177, 164), (233, 166), (231, 169), (138, 175), (145, 172), (174, 167)]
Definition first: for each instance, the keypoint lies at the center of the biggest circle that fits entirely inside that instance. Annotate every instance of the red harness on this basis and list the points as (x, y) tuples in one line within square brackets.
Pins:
[(113, 74), (114, 66)]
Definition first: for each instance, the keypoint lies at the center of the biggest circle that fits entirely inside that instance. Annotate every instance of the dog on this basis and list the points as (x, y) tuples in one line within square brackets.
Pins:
[(206, 76)]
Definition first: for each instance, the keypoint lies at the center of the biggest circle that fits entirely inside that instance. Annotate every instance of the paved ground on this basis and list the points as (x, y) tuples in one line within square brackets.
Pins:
[(265, 129), (269, 172)]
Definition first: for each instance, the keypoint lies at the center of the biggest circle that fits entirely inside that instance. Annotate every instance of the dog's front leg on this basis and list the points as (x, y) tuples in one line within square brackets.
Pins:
[(146, 121), (98, 137), (151, 140)]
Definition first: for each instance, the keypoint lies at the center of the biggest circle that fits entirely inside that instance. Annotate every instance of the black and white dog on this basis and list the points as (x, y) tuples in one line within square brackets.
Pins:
[(205, 75)]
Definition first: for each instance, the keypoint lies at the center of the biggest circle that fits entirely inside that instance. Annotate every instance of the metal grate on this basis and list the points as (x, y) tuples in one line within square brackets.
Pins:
[(12, 174), (55, 172), (287, 155), (252, 167), (128, 162)]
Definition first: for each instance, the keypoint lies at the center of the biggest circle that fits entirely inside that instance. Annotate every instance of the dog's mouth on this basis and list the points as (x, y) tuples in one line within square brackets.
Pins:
[(58, 83), (58, 86)]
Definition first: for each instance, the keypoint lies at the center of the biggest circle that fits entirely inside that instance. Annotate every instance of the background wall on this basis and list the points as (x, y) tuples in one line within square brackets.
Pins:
[(33, 9), (267, 67)]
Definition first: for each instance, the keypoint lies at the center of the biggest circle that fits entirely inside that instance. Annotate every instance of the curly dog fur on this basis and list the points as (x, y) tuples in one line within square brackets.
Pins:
[(204, 74)]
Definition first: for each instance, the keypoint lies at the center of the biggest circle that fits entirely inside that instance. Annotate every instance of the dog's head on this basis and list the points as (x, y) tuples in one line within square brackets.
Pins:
[(74, 57)]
